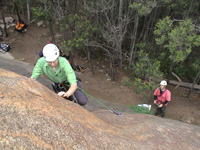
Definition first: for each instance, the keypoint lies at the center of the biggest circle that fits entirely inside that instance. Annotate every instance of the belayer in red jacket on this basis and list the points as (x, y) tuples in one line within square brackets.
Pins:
[(162, 96)]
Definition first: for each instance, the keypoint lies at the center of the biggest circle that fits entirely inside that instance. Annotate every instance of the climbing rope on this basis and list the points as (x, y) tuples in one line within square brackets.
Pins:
[(111, 109), (114, 111)]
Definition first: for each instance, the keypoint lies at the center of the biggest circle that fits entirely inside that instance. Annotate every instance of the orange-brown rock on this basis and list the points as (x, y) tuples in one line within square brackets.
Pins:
[(33, 117)]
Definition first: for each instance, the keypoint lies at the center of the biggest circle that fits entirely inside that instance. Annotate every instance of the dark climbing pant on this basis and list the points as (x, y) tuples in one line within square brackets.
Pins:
[(161, 111), (78, 94)]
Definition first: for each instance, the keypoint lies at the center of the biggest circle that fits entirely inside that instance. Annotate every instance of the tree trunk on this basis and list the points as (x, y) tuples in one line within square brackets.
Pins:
[(71, 60), (112, 68), (156, 12), (75, 6), (90, 61), (50, 26), (19, 18), (51, 31), (28, 11), (196, 80), (5, 28), (133, 39), (170, 70), (146, 33), (185, 84), (143, 30), (179, 83), (120, 34), (68, 6), (191, 4)]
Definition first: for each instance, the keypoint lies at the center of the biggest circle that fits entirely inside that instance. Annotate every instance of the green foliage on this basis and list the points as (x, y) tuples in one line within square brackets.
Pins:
[(128, 82), (43, 14), (21, 5), (78, 29), (126, 68), (175, 40), (146, 66), (143, 7), (178, 39), (39, 13), (146, 69), (190, 71), (142, 110), (180, 70), (165, 65), (144, 87), (162, 29), (19, 2), (183, 7)]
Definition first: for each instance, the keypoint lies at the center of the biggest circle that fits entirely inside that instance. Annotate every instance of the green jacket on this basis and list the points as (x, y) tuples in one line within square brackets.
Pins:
[(63, 73)]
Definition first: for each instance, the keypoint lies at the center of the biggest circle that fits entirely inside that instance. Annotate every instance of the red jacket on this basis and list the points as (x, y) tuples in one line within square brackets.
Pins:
[(161, 98)]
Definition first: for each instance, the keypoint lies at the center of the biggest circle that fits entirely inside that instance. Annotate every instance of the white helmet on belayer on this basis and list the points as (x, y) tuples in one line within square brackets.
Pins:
[(51, 52), (163, 82)]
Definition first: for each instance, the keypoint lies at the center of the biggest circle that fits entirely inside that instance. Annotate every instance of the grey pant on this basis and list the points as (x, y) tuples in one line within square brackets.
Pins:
[(79, 95)]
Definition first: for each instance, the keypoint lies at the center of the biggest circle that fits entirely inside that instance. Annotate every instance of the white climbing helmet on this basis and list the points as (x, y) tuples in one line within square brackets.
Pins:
[(163, 82), (51, 52)]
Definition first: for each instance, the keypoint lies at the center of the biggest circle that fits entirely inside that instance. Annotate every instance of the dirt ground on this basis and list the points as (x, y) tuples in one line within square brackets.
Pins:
[(25, 47)]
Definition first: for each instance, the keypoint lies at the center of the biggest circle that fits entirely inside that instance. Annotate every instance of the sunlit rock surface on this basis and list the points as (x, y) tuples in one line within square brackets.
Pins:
[(33, 117)]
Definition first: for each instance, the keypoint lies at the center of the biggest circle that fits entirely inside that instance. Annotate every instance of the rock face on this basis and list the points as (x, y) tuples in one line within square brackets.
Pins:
[(33, 117)]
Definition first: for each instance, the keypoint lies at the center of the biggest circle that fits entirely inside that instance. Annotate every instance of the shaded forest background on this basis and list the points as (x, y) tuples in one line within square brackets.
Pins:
[(148, 39)]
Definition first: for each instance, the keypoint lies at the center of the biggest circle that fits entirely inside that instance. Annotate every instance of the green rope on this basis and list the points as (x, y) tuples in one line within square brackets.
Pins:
[(155, 108), (112, 110), (90, 97), (94, 99), (107, 106)]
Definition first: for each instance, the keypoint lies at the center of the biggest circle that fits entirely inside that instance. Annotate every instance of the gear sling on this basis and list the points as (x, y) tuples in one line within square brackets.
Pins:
[(78, 96)]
